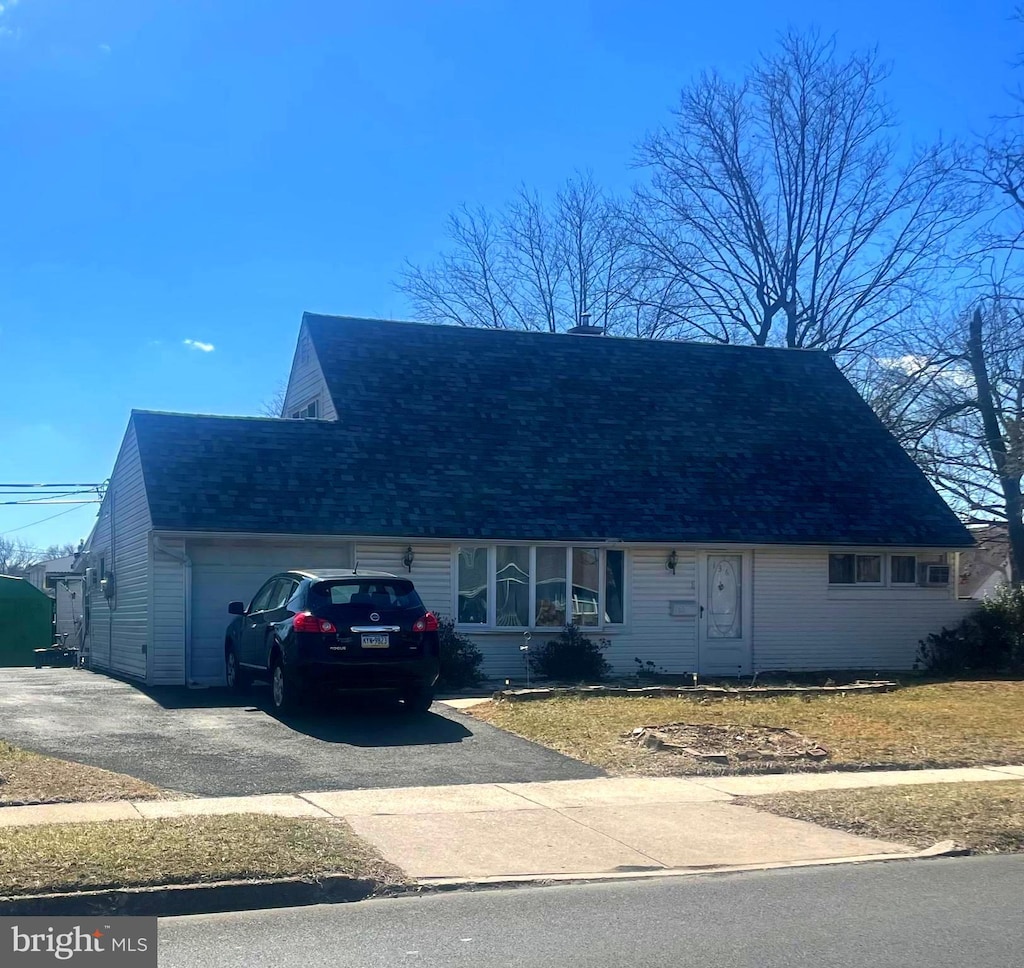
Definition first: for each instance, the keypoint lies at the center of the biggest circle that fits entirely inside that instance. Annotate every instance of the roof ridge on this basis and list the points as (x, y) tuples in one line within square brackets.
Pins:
[(607, 337)]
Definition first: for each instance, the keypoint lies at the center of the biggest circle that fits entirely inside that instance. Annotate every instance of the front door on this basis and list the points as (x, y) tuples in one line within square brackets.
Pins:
[(724, 614)]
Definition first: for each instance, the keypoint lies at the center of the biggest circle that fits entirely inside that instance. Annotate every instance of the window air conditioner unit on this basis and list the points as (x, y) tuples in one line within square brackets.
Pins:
[(938, 575)]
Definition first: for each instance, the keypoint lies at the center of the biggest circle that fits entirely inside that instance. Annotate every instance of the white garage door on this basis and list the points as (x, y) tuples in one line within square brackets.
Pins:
[(223, 573)]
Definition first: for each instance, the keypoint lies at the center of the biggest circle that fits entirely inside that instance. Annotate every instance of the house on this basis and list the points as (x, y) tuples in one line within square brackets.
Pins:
[(58, 578), (712, 509), (985, 568)]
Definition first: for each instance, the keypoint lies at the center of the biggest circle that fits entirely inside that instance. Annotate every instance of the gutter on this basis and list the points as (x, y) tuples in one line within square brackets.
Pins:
[(187, 562)]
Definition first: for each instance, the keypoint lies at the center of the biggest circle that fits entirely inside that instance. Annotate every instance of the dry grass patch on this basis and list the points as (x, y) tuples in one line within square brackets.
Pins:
[(189, 850), (32, 778), (987, 817), (935, 725)]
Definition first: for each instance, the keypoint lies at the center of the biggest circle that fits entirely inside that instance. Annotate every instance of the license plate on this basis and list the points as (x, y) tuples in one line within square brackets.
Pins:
[(375, 641)]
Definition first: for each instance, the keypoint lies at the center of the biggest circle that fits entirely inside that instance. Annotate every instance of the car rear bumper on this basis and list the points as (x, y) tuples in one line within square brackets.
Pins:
[(366, 676)]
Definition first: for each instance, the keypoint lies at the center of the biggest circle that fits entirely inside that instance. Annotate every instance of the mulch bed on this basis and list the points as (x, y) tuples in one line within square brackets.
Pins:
[(728, 743)]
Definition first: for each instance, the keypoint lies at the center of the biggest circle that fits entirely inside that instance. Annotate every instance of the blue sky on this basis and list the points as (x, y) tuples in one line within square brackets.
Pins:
[(176, 170)]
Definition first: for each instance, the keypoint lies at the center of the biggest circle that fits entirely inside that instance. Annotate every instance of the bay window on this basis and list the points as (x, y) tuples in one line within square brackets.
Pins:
[(540, 587)]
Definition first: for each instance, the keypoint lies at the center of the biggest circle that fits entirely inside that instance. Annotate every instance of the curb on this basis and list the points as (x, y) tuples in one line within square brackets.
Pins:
[(440, 885), (226, 896), (214, 898)]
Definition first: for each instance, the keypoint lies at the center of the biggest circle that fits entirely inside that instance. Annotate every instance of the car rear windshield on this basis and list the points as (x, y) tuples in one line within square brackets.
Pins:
[(389, 593)]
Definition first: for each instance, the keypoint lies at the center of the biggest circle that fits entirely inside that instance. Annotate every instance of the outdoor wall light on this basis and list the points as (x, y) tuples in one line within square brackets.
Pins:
[(672, 561), (408, 558)]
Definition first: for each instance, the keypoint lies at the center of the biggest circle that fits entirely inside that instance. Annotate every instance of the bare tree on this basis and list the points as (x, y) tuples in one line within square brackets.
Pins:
[(540, 266), (778, 208), (957, 404), (64, 550), (273, 406), (16, 557)]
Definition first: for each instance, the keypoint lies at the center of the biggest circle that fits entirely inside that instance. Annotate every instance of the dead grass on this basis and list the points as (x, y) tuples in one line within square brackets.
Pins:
[(987, 817), (935, 725), (138, 853), (32, 778)]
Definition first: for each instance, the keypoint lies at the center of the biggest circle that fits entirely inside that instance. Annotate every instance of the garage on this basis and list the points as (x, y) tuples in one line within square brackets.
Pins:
[(223, 572)]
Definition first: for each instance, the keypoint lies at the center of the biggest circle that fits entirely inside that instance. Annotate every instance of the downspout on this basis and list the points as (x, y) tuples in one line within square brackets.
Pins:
[(187, 562)]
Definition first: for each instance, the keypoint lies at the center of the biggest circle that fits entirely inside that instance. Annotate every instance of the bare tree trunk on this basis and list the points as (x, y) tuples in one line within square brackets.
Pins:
[(1009, 478)]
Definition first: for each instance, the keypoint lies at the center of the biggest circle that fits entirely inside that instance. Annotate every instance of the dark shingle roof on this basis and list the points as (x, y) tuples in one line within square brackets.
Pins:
[(453, 432)]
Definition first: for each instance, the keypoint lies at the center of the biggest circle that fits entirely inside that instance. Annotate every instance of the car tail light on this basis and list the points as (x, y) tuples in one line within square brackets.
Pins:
[(305, 622), (426, 624)]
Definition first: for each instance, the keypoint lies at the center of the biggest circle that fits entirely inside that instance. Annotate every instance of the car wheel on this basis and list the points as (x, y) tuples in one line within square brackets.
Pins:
[(235, 675), (284, 690), (418, 700)]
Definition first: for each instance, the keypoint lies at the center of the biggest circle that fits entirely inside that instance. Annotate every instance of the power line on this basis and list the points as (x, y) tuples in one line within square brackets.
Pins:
[(92, 486), (40, 521)]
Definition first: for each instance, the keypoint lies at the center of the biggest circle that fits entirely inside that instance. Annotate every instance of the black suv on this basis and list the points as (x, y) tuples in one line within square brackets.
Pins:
[(361, 631)]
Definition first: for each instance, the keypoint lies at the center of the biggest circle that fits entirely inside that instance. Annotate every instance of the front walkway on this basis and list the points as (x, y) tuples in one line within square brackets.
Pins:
[(559, 828)]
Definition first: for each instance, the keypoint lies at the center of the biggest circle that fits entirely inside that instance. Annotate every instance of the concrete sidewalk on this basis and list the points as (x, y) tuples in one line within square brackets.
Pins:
[(583, 828)]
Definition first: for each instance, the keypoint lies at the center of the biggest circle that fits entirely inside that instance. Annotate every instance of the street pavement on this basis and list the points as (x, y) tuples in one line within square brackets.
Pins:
[(919, 914)]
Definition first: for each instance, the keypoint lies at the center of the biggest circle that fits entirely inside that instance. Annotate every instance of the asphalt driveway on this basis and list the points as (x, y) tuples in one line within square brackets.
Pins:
[(211, 743)]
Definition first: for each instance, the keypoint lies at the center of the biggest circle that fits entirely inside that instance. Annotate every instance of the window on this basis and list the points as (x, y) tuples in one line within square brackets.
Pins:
[(903, 569), (309, 412), (376, 593), (841, 570), (550, 588), (283, 591), (472, 569), (512, 586), (262, 600), (869, 569), (614, 587), (586, 586), (855, 569), (540, 587)]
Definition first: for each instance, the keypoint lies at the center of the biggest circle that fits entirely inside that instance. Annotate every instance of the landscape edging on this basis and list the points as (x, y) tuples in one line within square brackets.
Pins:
[(697, 692)]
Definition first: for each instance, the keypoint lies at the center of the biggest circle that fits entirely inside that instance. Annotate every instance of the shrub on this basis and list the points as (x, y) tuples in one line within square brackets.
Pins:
[(572, 657), (460, 658), (990, 639)]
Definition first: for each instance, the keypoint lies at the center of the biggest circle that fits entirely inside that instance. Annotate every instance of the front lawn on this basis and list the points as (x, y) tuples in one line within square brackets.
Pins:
[(935, 725), (187, 850), (987, 817), (32, 778)]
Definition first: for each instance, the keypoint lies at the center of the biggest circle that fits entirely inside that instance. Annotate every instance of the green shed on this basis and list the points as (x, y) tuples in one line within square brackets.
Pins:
[(26, 621)]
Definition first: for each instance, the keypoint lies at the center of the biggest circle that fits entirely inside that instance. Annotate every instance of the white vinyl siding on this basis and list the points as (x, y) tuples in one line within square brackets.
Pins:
[(655, 635), (119, 628), (802, 622), (167, 614), (306, 382), (431, 569)]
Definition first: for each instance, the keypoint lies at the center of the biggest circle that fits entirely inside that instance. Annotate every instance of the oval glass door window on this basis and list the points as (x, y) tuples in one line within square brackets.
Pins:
[(725, 596)]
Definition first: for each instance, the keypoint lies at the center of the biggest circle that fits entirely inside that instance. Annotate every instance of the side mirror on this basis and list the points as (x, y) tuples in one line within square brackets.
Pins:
[(236, 608)]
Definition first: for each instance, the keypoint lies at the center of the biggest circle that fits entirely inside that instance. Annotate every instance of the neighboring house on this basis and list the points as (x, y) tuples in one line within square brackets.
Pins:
[(712, 509), (985, 568), (58, 578)]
